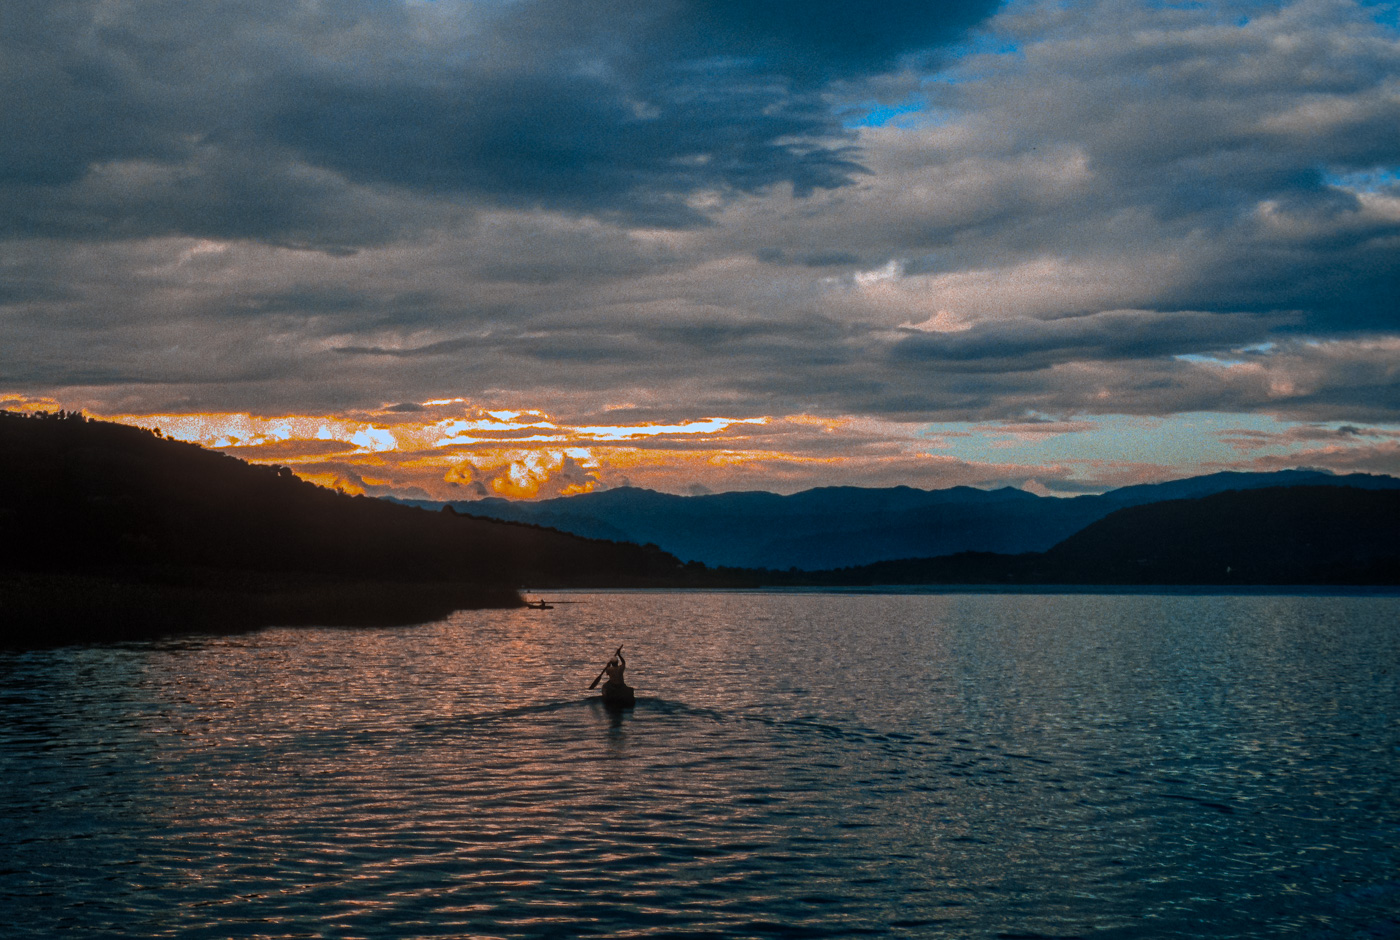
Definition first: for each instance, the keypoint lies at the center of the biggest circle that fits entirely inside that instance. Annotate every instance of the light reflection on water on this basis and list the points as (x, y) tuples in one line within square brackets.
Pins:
[(797, 765)]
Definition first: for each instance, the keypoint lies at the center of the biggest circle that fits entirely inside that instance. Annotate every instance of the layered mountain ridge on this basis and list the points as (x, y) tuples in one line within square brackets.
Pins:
[(843, 526)]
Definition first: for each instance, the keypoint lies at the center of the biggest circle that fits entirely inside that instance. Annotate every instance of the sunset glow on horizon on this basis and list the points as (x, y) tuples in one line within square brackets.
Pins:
[(452, 450), (458, 249)]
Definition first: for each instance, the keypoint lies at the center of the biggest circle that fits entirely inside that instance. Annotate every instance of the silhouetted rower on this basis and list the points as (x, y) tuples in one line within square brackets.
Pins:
[(614, 670), (616, 692)]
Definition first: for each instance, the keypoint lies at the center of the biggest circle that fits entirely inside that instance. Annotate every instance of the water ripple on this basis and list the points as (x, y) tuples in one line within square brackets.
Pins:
[(841, 766)]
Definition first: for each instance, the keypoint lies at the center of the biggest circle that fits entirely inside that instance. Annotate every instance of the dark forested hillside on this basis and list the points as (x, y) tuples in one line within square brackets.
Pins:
[(109, 503), (1284, 535)]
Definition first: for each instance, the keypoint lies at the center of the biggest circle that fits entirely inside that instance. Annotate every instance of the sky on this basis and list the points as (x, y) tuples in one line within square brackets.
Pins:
[(531, 248)]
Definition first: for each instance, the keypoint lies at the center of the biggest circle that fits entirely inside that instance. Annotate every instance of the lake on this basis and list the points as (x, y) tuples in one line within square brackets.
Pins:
[(798, 765)]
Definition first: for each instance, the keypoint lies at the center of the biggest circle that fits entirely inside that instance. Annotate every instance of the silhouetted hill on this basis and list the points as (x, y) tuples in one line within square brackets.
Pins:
[(1322, 535), (1292, 535), (106, 503), (833, 527), (1225, 481)]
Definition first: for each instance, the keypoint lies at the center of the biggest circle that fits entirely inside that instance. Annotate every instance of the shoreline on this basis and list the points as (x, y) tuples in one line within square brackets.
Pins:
[(47, 609)]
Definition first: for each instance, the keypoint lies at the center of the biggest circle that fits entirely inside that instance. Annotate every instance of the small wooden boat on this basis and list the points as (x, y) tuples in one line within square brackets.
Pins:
[(539, 605), (618, 695)]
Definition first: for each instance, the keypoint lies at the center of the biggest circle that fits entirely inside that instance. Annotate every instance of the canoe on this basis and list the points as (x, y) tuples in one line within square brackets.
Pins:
[(618, 695)]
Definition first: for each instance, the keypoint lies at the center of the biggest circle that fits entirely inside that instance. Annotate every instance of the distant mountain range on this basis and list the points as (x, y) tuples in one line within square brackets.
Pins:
[(838, 527), (1294, 535), (112, 531)]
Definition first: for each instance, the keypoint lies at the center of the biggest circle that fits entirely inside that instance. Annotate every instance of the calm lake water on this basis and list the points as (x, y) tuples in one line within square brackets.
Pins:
[(798, 765)]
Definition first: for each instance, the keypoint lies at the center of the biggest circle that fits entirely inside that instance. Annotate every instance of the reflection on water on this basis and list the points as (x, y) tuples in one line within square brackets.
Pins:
[(796, 765)]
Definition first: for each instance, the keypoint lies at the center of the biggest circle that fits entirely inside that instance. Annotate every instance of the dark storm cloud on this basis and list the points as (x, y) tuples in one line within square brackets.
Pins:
[(1017, 345), (315, 300), (822, 39), (1313, 248), (568, 144), (443, 348), (211, 193), (268, 120), (68, 104)]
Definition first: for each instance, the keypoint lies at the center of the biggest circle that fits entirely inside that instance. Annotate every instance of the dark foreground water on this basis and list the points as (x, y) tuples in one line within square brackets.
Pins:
[(797, 765)]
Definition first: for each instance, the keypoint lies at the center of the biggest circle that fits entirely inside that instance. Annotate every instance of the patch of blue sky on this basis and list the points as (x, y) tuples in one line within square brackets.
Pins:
[(1209, 360), (1373, 180), (1187, 442), (905, 115), (1383, 12)]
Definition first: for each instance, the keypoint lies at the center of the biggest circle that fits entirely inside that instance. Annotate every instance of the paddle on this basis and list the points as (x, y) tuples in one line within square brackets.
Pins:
[(605, 669)]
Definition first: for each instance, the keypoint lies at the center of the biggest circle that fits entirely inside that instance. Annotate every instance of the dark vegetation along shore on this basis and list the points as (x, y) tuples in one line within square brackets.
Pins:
[(114, 532), (111, 531), (1303, 535)]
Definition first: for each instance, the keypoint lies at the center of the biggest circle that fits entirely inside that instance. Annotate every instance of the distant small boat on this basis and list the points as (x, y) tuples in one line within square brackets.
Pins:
[(539, 605), (618, 695)]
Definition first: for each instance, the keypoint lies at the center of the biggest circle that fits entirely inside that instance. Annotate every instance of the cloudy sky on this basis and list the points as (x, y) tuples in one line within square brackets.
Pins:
[(531, 247)]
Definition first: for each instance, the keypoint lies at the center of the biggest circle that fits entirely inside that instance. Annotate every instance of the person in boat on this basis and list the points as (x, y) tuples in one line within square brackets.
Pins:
[(614, 670)]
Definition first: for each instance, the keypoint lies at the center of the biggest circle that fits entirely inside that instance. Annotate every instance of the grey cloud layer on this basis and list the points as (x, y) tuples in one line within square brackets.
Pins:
[(221, 119), (581, 205)]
